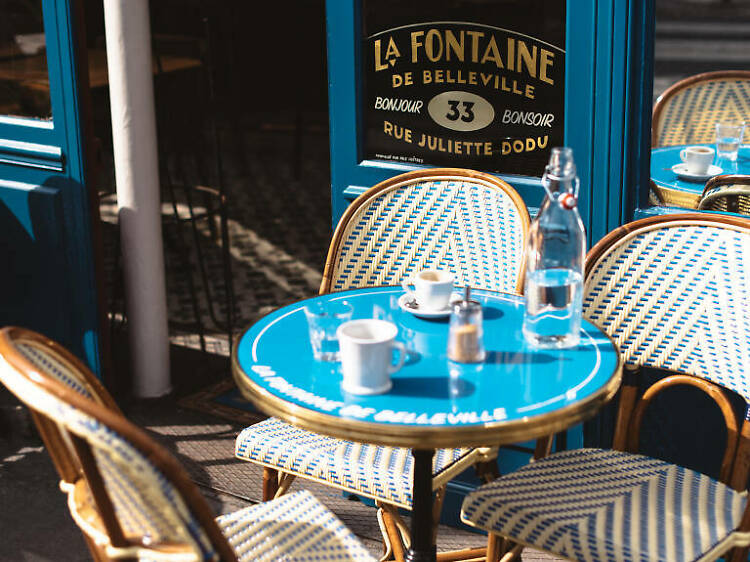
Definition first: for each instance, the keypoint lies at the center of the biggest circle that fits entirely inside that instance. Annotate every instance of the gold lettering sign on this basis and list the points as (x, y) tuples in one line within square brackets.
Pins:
[(487, 93)]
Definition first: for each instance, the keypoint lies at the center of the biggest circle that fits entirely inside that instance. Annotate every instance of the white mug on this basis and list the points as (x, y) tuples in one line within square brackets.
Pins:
[(432, 288), (697, 158), (367, 355)]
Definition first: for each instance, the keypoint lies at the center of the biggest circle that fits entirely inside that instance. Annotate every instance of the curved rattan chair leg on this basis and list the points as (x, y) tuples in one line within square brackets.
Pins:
[(513, 553), (465, 555), (97, 553), (392, 544), (543, 446), (437, 509), (285, 480), (495, 544), (270, 483), (487, 471)]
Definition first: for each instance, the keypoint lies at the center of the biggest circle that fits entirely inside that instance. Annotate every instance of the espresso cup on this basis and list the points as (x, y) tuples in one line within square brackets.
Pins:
[(432, 288), (367, 355), (697, 158)]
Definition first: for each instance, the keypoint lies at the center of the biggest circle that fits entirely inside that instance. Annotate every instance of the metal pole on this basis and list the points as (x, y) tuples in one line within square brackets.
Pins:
[(422, 538), (131, 94)]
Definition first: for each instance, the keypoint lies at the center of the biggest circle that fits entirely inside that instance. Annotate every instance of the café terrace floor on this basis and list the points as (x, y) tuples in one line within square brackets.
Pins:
[(279, 226), (280, 229)]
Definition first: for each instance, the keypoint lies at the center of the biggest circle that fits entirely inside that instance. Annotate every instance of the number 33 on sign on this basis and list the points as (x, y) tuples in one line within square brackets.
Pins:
[(461, 111)]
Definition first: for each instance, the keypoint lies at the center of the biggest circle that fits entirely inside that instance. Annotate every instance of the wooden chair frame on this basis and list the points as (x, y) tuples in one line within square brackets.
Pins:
[(735, 464), (655, 197), (77, 466), (718, 186), (335, 247)]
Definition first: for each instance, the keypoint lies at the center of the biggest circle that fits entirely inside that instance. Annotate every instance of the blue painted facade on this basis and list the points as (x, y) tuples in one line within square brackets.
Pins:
[(45, 223), (609, 61)]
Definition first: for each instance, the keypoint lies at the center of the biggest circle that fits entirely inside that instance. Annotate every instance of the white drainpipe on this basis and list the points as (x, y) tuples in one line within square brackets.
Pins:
[(131, 94)]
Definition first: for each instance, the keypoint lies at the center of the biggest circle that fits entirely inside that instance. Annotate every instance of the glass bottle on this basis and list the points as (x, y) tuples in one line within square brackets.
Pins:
[(554, 259)]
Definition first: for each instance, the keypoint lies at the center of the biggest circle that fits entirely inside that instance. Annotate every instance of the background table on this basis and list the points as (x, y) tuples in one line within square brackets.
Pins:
[(687, 194), (517, 394)]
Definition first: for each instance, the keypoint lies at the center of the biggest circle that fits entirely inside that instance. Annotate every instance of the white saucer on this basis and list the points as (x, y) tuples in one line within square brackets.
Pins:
[(413, 308), (682, 171)]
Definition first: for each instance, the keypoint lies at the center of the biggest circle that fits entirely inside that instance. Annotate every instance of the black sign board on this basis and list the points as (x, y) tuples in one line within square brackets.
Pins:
[(467, 83)]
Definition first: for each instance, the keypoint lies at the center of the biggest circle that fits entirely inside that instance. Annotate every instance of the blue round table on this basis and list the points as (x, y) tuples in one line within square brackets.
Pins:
[(682, 193), (518, 393)]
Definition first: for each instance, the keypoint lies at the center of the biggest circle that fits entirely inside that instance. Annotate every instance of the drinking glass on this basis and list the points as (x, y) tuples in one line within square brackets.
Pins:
[(728, 139), (323, 319)]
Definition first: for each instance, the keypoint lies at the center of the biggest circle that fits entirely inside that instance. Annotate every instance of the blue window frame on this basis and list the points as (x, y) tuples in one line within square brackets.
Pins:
[(45, 204)]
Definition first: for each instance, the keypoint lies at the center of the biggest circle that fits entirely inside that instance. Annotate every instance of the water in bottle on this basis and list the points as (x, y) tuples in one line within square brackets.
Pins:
[(554, 260)]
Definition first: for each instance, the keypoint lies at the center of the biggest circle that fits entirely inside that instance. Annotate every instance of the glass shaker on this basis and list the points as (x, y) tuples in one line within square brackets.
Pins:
[(465, 337)]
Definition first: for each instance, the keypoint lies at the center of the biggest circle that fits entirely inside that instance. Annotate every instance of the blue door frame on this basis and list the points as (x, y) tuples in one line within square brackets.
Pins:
[(45, 203), (608, 85), (609, 66)]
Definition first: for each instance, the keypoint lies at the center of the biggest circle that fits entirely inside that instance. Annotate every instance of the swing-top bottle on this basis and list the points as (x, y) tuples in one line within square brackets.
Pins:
[(554, 259)]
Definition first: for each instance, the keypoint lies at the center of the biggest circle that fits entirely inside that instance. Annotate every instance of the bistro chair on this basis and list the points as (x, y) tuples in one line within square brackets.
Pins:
[(470, 223), (727, 193), (129, 496), (655, 197), (687, 112), (672, 292)]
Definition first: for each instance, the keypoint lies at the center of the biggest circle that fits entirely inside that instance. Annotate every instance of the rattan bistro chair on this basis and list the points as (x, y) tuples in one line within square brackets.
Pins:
[(672, 292), (470, 223), (687, 112), (727, 193), (130, 498)]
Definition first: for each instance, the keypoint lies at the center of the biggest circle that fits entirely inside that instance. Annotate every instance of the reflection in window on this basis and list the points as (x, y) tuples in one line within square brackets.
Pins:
[(24, 81), (700, 151)]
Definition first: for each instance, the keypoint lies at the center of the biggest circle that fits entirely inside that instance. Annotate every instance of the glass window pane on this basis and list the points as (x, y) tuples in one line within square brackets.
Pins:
[(24, 80), (476, 84)]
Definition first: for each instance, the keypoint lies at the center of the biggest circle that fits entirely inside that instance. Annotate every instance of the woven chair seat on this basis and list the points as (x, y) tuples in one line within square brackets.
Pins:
[(293, 527), (593, 504), (383, 473), (147, 497)]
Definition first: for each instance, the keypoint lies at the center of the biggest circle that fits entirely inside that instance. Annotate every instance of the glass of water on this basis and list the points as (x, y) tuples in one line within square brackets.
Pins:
[(728, 139), (323, 318)]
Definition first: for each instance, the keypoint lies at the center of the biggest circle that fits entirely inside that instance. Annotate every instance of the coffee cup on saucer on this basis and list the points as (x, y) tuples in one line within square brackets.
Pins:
[(432, 289), (367, 347), (697, 159)]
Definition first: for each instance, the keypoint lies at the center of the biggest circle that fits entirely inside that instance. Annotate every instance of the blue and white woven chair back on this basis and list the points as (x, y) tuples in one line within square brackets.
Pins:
[(55, 365), (730, 197), (470, 223), (675, 294), (687, 113), (146, 504)]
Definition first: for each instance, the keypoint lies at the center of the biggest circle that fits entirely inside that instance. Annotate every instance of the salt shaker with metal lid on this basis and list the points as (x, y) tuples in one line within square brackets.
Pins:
[(465, 337)]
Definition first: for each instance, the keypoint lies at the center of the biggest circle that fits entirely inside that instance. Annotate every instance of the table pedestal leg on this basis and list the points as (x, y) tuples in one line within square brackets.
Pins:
[(423, 548)]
